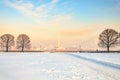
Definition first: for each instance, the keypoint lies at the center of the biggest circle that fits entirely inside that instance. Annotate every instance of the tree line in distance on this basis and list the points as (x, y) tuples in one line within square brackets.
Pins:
[(108, 38)]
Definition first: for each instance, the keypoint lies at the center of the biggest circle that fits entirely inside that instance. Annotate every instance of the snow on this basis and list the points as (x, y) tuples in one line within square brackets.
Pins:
[(107, 57), (59, 66)]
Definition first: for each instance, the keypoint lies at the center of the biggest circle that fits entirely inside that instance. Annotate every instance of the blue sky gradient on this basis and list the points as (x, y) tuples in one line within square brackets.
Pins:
[(82, 10), (61, 20)]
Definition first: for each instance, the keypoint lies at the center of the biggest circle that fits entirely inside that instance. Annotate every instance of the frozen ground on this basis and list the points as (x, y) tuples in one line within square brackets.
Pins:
[(59, 66)]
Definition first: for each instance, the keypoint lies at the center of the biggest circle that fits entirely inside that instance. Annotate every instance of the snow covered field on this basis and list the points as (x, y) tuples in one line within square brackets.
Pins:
[(59, 66)]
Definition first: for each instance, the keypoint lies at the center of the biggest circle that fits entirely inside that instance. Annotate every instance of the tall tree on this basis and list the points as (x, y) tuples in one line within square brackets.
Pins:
[(23, 42), (108, 38), (119, 38), (7, 41), (1, 45)]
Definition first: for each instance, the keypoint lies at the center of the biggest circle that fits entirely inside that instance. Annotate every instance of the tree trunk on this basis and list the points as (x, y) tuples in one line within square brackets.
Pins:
[(107, 48), (22, 49), (7, 46), (7, 49)]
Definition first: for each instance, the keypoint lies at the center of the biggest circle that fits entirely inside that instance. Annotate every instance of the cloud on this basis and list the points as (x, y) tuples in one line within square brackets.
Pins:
[(54, 1), (42, 12), (117, 7), (27, 7), (61, 19), (76, 32)]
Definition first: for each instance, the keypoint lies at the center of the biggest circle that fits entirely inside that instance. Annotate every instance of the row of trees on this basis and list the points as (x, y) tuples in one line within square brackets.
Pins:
[(109, 38), (22, 42)]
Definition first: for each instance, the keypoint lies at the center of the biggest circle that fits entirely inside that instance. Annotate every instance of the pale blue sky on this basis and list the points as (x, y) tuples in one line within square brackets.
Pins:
[(83, 10)]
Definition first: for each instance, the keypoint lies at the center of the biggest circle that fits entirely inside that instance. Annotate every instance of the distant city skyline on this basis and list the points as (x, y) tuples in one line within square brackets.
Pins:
[(69, 23)]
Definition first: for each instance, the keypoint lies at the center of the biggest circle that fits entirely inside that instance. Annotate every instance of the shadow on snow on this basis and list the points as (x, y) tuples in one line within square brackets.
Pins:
[(107, 64)]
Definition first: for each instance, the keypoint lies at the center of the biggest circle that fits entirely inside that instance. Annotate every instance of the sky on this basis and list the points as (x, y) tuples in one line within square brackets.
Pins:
[(71, 23)]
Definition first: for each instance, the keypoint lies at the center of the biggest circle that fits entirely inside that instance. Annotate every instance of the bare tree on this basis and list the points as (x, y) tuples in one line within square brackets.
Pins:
[(7, 41), (22, 42), (119, 39), (1, 44), (108, 38)]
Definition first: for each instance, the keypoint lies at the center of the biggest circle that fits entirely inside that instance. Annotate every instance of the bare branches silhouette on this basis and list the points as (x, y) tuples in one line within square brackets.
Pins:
[(23, 42), (7, 41), (108, 38)]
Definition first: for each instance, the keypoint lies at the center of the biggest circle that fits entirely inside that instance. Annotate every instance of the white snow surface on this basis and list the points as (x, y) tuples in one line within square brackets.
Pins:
[(59, 66)]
